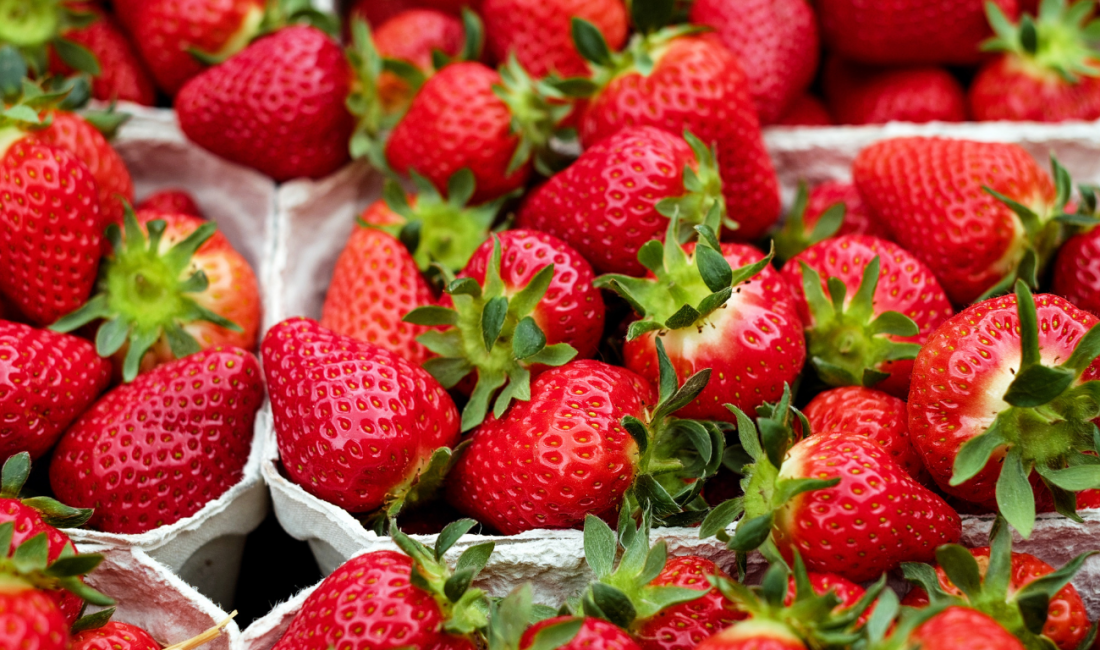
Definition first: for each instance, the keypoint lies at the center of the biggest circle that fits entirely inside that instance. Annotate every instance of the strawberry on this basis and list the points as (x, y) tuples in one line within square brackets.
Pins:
[(1049, 70), (176, 201), (681, 82), (122, 75), (616, 196), (413, 37), (193, 447), (173, 286), (717, 306), (524, 302), (684, 626), (871, 338), (978, 229), (982, 384), (46, 381), (860, 94), (962, 627), (1006, 585), (387, 599), (34, 33), (830, 209), (278, 106), (754, 635), (899, 32), (776, 42), (806, 110), (873, 414), (1077, 271), (28, 618), (537, 32), (113, 636), (592, 634), (399, 421), (848, 592), (375, 283)]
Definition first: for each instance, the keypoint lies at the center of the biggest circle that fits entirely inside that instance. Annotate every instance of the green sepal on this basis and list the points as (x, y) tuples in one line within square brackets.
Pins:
[(538, 109), (92, 621), (422, 487), (793, 238), (1062, 39)]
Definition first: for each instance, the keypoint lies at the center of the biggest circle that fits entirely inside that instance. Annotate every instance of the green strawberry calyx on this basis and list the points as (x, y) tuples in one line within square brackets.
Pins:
[(1022, 611), (421, 487), (257, 22), (28, 567), (890, 626), (440, 229), (702, 193), (510, 617), (491, 332), (792, 239), (538, 108), (849, 343), (25, 108), (146, 295), (1060, 40), (14, 475), (29, 29)]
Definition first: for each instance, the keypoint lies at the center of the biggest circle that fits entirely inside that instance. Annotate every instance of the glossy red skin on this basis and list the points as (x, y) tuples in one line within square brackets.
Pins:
[(1006, 90), (277, 106), (375, 283), (171, 200), (412, 36), (806, 110), (753, 345), (114, 636), (548, 462), (572, 310), (928, 193), (164, 31), (776, 42), (355, 420), (28, 523), (46, 380), (457, 121), (39, 212), (961, 372), (754, 634), (376, 12), (905, 285), (873, 414), (594, 634), (604, 204), (539, 32), (865, 95), (123, 76), (369, 602), (30, 619), (686, 625), (698, 85), (962, 627), (188, 433), (1067, 620), (1077, 271), (899, 32), (857, 221), (875, 518)]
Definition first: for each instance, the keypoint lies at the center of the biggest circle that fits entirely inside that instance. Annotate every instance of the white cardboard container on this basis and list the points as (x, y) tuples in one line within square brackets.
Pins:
[(316, 217), (204, 549)]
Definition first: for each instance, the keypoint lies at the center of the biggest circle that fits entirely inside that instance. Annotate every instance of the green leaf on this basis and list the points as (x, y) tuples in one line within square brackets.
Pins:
[(1037, 384), (556, 635), (637, 430), (961, 568), (488, 383), (667, 381), (524, 302), (76, 56), (464, 287), (687, 393), (1029, 326), (713, 268), (975, 453), (615, 604), (828, 223), (719, 518), (599, 546), (590, 42), (750, 534), (448, 371), (457, 584), (1075, 479), (555, 355), (1015, 498), (492, 320), (714, 301), (894, 323), (58, 514), (75, 565), (649, 16), (651, 255), (31, 555), (93, 621), (527, 339), (451, 534), (14, 474), (1088, 348), (684, 317)]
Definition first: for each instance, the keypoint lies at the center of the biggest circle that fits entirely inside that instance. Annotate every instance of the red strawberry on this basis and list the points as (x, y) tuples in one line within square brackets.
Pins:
[(538, 32), (865, 95), (871, 338), (981, 385), (1051, 74), (882, 418), (29, 618), (46, 381), (754, 634), (172, 287), (191, 448), (171, 200), (397, 415), (856, 219), (897, 32), (593, 633), (695, 85), (776, 42), (806, 110), (929, 193), (122, 76), (113, 636), (278, 106), (962, 627), (685, 625), (1077, 271), (614, 198), (847, 591), (831, 209), (412, 36)]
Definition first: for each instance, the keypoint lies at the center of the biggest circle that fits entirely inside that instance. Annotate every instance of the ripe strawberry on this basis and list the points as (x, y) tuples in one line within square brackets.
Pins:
[(173, 286), (538, 33), (193, 447), (113, 636), (848, 592), (754, 634), (962, 627), (387, 599), (806, 110), (1049, 70), (414, 36), (717, 108), (391, 417), (122, 75), (776, 42), (873, 414), (684, 626), (860, 94), (278, 106), (981, 385), (1077, 271), (871, 338), (616, 196), (34, 33), (970, 238), (46, 381), (899, 32), (28, 618), (171, 200), (592, 634), (830, 209)]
